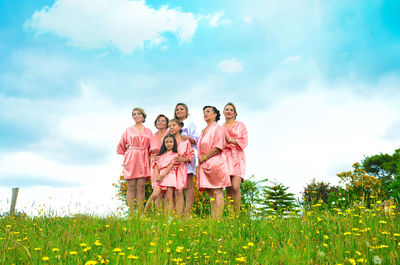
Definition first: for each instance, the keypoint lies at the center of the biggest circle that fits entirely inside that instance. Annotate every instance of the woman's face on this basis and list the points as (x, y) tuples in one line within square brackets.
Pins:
[(180, 112), (169, 143), (229, 112), (161, 123), (209, 114), (174, 128), (137, 116)]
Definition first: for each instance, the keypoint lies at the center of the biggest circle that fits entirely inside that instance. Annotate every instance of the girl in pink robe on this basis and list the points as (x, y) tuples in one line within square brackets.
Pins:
[(236, 136), (213, 171), (186, 154), (134, 146), (165, 171), (161, 123)]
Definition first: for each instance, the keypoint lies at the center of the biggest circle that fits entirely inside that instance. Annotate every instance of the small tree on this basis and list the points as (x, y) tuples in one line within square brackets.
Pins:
[(316, 192), (275, 199), (250, 190)]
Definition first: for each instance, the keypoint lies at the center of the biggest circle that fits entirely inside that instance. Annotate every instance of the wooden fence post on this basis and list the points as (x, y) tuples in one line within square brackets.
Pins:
[(13, 199)]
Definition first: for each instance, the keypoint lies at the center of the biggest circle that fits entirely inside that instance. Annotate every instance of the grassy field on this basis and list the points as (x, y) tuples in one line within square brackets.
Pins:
[(355, 236)]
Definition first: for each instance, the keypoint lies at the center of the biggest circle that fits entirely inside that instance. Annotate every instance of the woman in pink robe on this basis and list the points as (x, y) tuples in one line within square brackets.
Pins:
[(185, 156), (236, 136), (165, 171), (134, 145), (213, 170), (161, 123)]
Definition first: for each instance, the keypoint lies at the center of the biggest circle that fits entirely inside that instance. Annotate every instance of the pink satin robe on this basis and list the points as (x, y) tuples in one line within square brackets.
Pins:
[(135, 148), (235, 152), (213, 173), (184, 150), (155, 145), (162, 163)]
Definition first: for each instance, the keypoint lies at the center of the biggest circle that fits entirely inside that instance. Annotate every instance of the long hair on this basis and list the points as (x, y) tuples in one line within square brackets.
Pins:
[(180, 124), (186, 108), (233, 106), (163, 149)]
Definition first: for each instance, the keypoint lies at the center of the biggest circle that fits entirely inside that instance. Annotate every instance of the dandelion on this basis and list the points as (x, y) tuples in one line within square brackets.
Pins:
[(377, 260), (179, 249), (45, 258), (91, 262), (352, 261), (86, 249), (132, 257), (245, 247), (55, 249), (250, 244), (153, 244), (117, 250), (382, 222), (37, 249), (326, 237), (83, 245), (97, 243), (346, 233), (362, 260), (73, 252), (241, 259)]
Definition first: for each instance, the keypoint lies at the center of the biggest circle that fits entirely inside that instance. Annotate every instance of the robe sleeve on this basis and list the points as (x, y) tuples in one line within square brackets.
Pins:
[(189, 151), (242, 138), (121, 148), (192, 131), (219, 140)]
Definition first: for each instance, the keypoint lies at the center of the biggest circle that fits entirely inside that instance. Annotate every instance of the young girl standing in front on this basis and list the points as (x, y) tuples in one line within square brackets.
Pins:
[(165, 172)]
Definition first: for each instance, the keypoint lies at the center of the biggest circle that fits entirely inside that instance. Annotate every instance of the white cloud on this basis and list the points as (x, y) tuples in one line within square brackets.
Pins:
[(230, 66), (248, 19), (125, 25), (293, 59), (215, 19)]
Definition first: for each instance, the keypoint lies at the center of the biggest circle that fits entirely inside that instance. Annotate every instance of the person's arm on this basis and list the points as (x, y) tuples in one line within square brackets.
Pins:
[(167, 170), (122, 145), (213, 151)]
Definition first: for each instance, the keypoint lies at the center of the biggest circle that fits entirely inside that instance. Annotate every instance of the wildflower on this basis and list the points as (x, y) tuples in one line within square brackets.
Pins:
[(117, 250), (86, 249), (326, 237), (245, 247), (132, 257), (45, 258), (73, 252), (346, 233), (97, 243), (179, 249), (250, 244), (382, 222), (91, 262), (55, 250), (362, 260), (377, 260), (83, 245), (37, 249), (241, 259), (352, 261), (153, 244)]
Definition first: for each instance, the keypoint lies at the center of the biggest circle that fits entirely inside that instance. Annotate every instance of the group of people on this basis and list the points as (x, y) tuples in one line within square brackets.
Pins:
[(168, 158)]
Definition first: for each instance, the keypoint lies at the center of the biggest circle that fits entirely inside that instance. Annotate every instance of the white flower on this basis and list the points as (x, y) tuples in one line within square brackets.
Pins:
[(377, 260)]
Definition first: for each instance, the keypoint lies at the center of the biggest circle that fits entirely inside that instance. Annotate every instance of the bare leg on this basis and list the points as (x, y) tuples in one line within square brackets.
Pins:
[(130, 194), (219, 203), (189, 192), (211, 193), (180, 203), (149, 204), (229, 198), (141, 183), (169, 199), (236, 196), (156, 196)]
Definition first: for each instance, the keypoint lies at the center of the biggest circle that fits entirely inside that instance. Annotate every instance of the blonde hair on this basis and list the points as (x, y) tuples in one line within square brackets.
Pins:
[(186, 108), (233, 106), (141, 111)]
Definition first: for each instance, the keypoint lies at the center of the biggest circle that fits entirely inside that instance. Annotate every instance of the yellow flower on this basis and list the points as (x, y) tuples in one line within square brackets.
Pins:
[(326, 237), (121, 253), (37, 249), (117, 250), (382, 222), (45, 258), (97, 243), (153, 244), (55, 250), (83, 245), (179, 249), (346, 233), (245, 247), (132, 257), (352, 261), (86, 249), (73, 252), (91, 262), (250, 244), (362, 260), (241, 259), (325, 245)]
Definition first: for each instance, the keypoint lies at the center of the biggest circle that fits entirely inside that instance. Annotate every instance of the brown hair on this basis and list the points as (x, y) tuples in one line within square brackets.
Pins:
[(160, 116), (180, 124), (141, 111), (233, 106), (186, 108)]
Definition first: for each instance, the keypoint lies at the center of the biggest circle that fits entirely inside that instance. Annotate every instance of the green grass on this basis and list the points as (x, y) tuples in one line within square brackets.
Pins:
[(357, 236)]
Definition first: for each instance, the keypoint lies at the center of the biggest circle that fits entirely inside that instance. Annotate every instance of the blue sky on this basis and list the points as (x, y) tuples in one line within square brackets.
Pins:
[(313, 81)]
